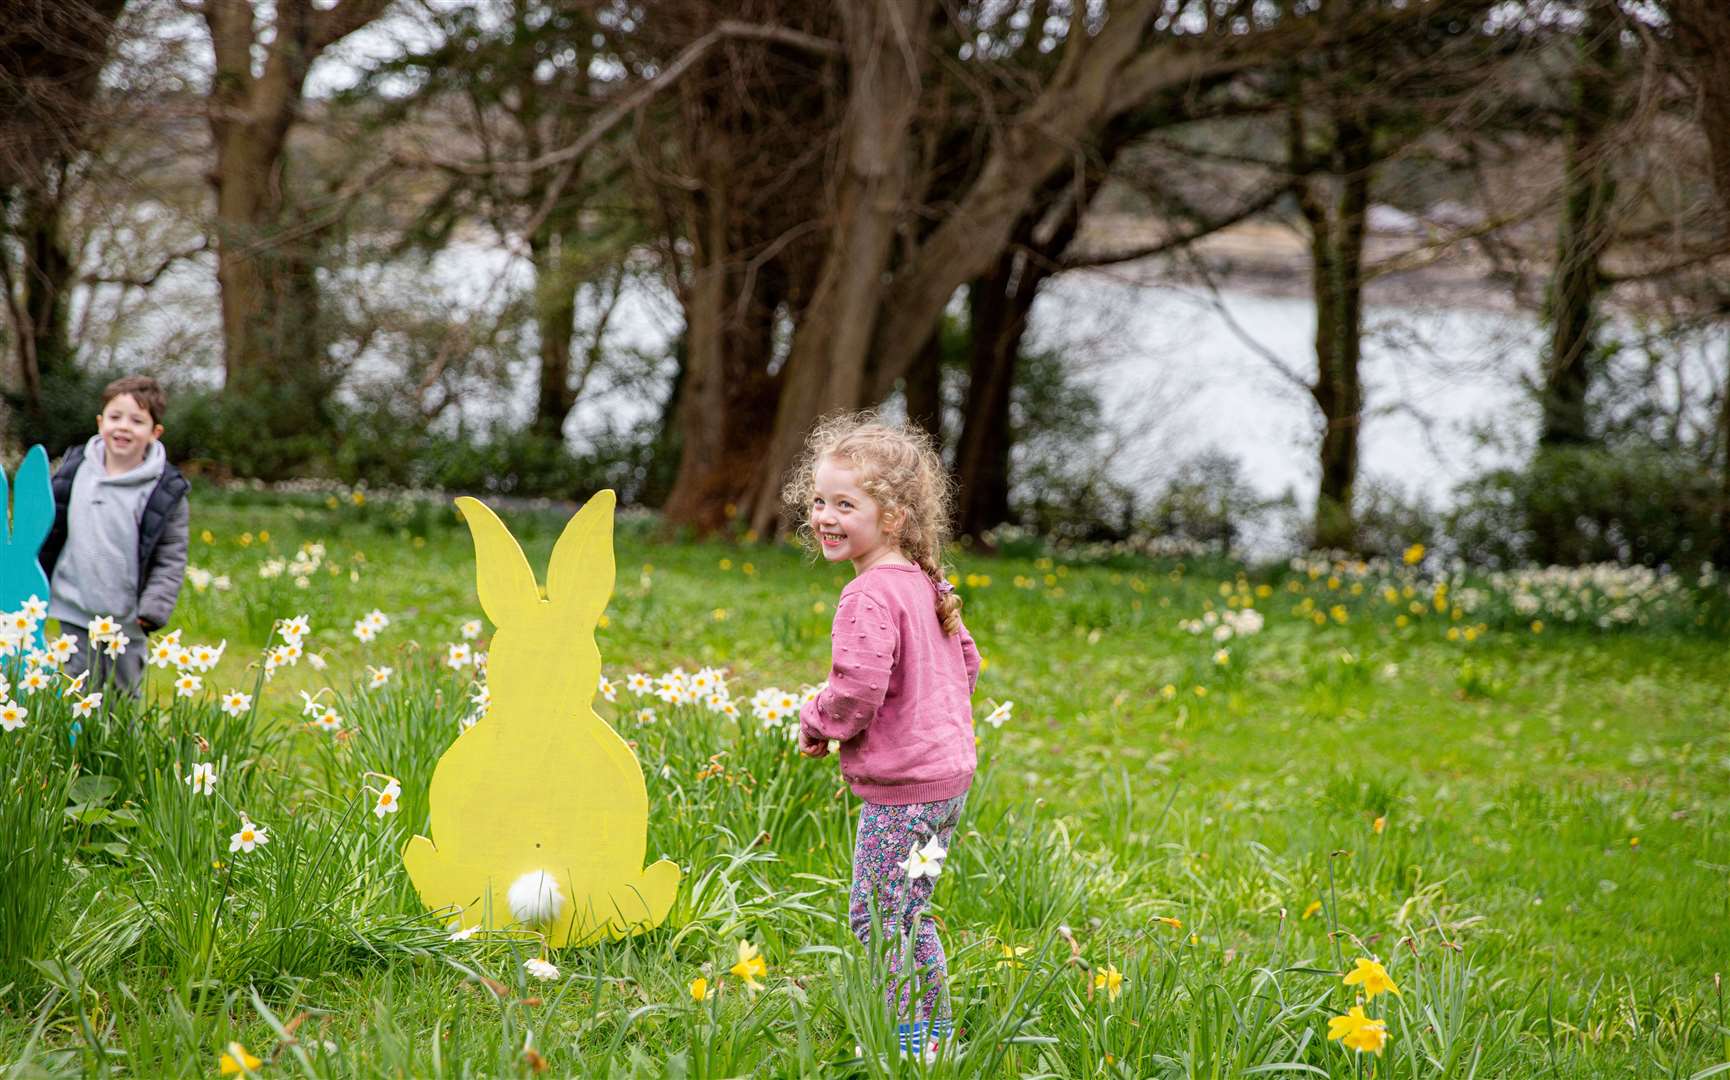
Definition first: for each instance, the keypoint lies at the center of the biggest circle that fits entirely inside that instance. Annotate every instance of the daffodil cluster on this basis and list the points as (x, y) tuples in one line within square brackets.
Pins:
[(1356, 1030)]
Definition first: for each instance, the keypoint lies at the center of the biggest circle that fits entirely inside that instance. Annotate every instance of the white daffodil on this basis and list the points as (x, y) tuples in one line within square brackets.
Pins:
[(387, 800), (639, 683), (457, 657), (464, 934), (363, 631), (116, 644), (162, 653), (248, 838), (540, 969), (607, 689), (328, 720), (83, 707), (296, 628), (64, 647), (36, 607), (380, 676), (34, 679), (315, 661), (471, 629), (926, 861), (234, 702), (188, 684), (101, 627), (12, 716), (202, 779), (377, 619), (1000, 715)]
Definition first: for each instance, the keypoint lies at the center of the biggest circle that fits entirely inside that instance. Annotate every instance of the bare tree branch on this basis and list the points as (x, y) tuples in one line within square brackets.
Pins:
[(631, 102), (1167, 244)]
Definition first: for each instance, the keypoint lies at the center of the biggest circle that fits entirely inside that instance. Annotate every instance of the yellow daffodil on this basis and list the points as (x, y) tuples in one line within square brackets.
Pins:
[(750, 966), (1110, 980), (1414, 555), (1314, 907), (1368, 1039), (1358, 1032), (1379, 824), (236, 1060), (1012, 955), (1372, 977), (1175, 924), (699, 989), (1341, 1027)]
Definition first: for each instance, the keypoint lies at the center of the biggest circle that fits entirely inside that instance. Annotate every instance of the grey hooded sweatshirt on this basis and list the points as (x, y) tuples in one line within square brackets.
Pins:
[(97, 572)]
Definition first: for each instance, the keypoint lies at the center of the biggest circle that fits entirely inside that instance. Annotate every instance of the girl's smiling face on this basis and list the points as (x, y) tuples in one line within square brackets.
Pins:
[(847, 522)]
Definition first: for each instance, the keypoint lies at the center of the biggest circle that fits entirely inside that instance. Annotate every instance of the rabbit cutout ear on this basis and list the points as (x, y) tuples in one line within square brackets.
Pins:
[(32, 513), (503, 580), (32, 502), (581, 574)]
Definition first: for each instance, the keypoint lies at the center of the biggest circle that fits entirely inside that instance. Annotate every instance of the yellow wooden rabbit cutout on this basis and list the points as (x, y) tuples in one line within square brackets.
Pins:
[(539, 811)]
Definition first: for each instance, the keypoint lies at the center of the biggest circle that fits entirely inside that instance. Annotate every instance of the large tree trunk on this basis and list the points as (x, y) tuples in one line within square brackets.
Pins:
[(727, 396), (997, 320), (44, 342), (1703, 35), (1589, 191), (1336, 247), (886, 55), (923, 389), (555, 326), (999, 305), (272, 341)]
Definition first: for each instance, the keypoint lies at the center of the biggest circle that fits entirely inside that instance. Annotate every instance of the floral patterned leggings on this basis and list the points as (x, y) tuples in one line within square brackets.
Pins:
[(886, 835)]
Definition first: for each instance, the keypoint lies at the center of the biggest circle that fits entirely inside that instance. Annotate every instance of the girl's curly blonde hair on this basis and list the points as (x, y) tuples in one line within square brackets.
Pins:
[(898, 466)]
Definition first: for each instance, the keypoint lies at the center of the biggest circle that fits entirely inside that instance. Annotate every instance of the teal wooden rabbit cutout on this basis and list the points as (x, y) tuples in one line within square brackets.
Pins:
[(31, 503)]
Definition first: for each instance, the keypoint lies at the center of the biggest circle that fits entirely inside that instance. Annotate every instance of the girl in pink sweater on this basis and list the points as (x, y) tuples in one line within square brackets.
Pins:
[(898, 700)]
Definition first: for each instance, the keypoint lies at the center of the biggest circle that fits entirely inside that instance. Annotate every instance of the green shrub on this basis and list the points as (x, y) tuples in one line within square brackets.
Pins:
[(1577, 506)]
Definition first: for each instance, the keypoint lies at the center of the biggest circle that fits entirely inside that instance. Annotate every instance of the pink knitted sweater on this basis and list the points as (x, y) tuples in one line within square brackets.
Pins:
[(899, 693)]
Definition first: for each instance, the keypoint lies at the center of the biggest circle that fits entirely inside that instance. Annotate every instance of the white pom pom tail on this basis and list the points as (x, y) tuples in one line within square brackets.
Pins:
[(535, 898)]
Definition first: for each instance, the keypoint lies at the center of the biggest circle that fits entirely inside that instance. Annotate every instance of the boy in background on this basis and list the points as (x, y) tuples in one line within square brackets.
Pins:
[(118, 545)]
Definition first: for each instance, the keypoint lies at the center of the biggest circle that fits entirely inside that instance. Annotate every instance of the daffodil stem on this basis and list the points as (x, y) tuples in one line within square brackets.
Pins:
[(1334, 917)]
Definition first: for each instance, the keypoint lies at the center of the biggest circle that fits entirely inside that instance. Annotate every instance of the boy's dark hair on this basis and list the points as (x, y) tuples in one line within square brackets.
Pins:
[(144, 390)]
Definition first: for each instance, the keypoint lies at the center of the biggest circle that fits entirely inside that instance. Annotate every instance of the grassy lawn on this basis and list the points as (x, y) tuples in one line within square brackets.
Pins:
[(1522, 819)]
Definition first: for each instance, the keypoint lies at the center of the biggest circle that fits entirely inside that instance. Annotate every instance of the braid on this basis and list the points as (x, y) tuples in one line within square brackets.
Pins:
[(948, 603)]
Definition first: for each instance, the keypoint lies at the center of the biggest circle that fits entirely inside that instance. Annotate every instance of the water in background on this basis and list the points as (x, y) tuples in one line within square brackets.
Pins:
[(1180, 370)]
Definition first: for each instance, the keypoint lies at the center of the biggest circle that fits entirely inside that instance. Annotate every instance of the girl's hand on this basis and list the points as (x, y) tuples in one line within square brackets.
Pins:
[(813, 748)]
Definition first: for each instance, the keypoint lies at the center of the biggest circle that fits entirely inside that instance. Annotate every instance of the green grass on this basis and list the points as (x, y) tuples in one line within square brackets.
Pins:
[(1550, 884)]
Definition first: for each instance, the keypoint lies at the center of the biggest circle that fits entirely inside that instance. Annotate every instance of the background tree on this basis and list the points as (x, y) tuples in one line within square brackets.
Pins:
[(266, 241), (51, 57), (1586, 229), (511, 81)]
